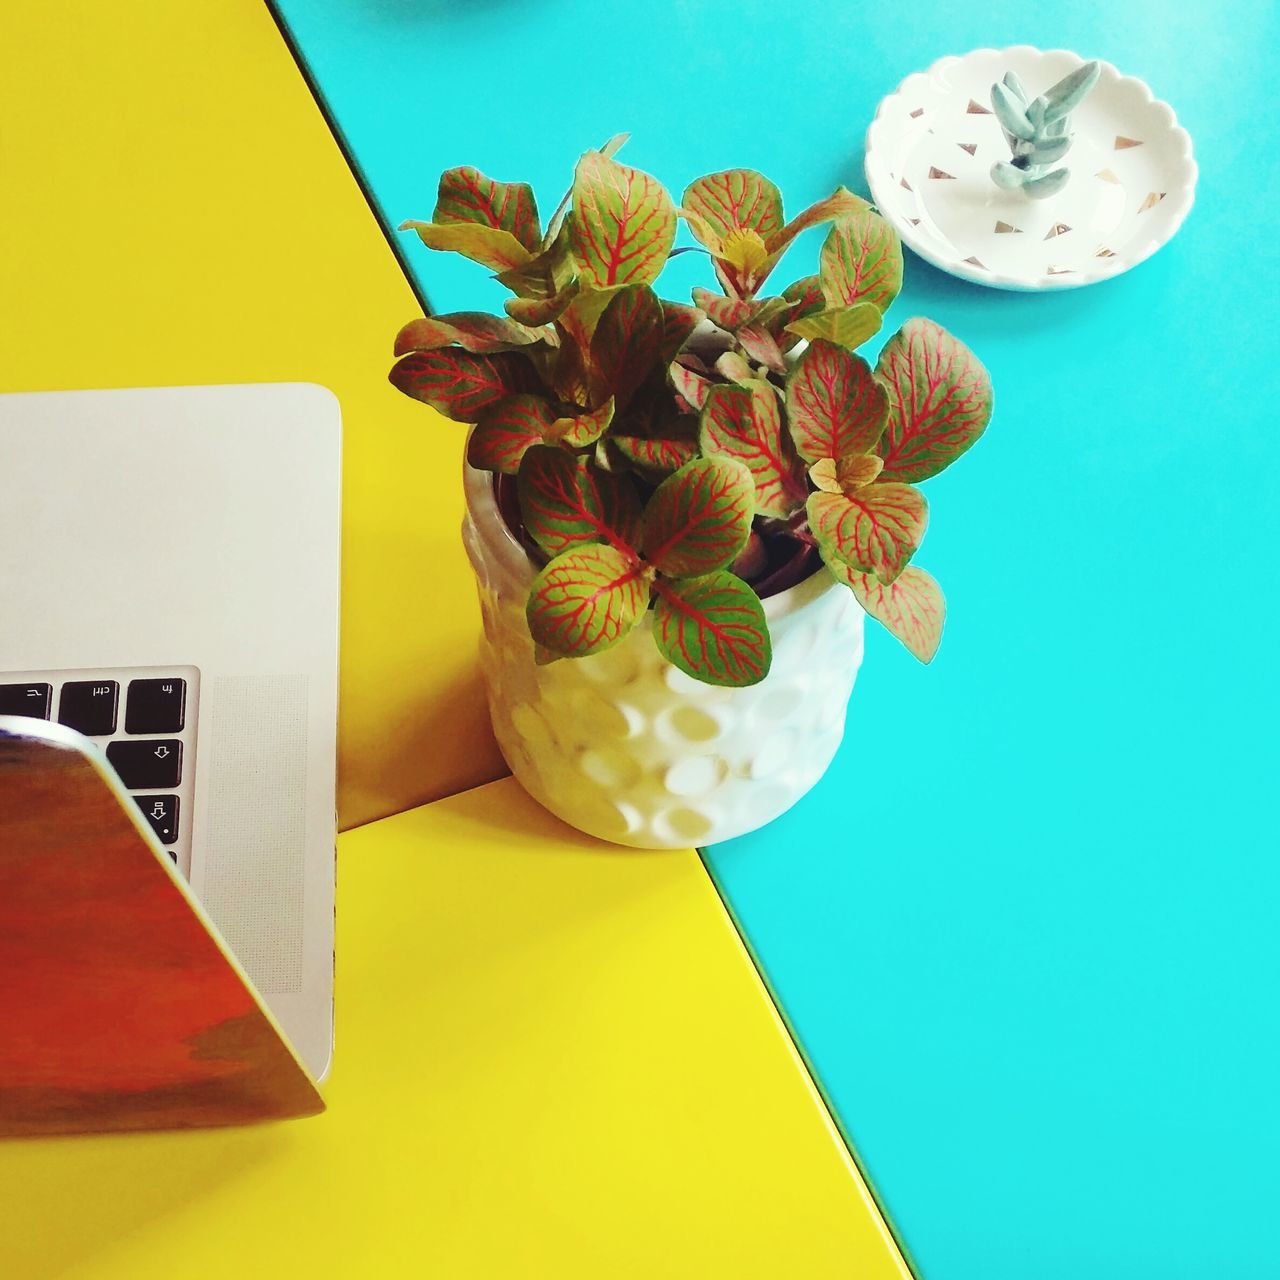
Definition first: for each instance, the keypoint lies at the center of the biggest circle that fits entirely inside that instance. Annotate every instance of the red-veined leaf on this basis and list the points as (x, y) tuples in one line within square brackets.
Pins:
[(846, 475), (861, 261), (546, 273), (744, 423), (470, 330), (846, 326), (911, 607), (834, 403), (699, 518), (726, 313), (744, 283), (623, 223), (841, 201), (626, 343), (691, 386), (586, 600), (735, 200), (659, 449), (536, 311), (577, 433), (939, 400), (564, 500), (678, 324), (569, 378), (876, 529), (465, 195), (462, 384), (713, 628), (558, 219), (758, 343), (806, 298), (489, 246), (506, 432)]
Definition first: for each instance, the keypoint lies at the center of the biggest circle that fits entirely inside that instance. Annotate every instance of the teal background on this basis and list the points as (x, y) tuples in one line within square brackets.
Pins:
[(1026, 929)]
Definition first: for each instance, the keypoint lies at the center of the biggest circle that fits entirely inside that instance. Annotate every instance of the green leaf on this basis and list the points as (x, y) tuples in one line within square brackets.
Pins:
[(1016, 87), (678, 324), (699, 519), (1070, 91), (876, 529), (713, 628), (462, 384), (745, 424), (626, 344), (847, 326), (861, 261), (564, 500), (735, 200), (535, 311), (587, 428), (586, 600), (834, 404), (1010, 113), (911, 607), (939, 400), (470, 330), (467, 196), (623, 223), (489, 246), (506, 432)]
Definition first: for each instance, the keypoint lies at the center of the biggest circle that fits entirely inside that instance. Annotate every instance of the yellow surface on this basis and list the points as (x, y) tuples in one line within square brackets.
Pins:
[(174, 210), (554, 1060)]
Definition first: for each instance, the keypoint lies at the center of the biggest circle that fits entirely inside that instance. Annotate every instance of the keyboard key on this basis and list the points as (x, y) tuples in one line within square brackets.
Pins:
[(35, 700), (162, 813), (147, 766), (155, 706), (89, 706)]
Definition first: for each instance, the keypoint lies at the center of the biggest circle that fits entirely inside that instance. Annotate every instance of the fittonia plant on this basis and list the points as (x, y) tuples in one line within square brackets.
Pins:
[(1038, 130), (670, 457)]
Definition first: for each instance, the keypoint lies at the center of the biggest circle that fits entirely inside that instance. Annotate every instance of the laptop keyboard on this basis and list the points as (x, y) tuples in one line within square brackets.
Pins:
[(143, 717)]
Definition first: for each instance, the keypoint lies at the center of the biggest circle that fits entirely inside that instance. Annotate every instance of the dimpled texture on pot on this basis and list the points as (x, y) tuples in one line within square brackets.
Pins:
[(625, 746)]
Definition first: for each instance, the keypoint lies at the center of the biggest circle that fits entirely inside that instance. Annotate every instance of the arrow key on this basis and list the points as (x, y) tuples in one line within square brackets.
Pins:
[(147, 765), (162, 813)]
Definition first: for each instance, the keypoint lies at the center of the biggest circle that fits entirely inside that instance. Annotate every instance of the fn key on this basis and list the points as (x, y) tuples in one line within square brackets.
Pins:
[(155, 706), (147, 766)]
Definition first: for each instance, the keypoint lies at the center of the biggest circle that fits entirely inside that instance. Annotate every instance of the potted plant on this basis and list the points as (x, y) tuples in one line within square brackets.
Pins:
[(678, 514)]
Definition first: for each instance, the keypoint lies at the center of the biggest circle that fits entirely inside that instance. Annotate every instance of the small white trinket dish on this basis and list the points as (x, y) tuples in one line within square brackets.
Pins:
[(933, 141)]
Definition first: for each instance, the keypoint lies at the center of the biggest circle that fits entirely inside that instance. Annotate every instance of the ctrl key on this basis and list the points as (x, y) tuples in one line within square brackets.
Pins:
[(147, 765), (162, 813)]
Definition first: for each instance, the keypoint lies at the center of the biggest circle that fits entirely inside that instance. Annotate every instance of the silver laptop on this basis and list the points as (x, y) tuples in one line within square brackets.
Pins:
[(169, 564)]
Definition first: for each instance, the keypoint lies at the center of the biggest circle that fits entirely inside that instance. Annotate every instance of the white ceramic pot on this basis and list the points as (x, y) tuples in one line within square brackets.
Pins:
[(625, 746)]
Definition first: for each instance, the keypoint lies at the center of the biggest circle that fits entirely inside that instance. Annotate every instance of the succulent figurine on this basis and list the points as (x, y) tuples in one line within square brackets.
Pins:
[(1038, 131), (674, 459)]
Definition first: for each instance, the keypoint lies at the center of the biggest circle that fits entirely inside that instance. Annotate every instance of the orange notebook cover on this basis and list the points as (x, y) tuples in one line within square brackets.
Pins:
[(120, 1007)]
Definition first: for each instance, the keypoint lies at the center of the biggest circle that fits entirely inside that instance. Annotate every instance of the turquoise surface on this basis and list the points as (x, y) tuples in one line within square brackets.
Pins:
[(1026, 930)]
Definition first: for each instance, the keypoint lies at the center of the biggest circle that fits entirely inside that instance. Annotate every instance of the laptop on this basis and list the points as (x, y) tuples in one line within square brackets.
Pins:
[(169, 562)]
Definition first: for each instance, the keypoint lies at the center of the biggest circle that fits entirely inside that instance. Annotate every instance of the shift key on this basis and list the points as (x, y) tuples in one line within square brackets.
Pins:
[(147, 766)]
